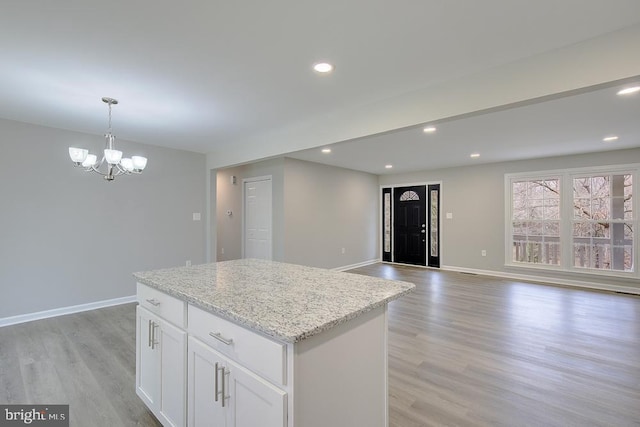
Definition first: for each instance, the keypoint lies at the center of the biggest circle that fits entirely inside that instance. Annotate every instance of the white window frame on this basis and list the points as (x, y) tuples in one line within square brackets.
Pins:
[(566, 177)]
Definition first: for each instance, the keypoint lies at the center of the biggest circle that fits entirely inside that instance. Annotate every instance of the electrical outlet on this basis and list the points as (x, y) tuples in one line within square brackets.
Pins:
[(344, 250), (222, 251), (188, 263), (484, 252)]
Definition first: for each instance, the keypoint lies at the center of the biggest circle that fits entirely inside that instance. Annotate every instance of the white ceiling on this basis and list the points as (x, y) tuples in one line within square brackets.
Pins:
[(206, 75), (567, 125)]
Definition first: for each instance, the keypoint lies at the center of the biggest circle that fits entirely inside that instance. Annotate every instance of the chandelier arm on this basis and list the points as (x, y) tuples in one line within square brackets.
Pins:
[(121, 170), (118, 170), (96, 168)]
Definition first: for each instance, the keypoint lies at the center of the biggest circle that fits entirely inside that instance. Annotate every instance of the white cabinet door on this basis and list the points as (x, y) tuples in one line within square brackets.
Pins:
[(161, 368), (147, 359), (172, 343), (204, 394), (253, 401), (248, 400)]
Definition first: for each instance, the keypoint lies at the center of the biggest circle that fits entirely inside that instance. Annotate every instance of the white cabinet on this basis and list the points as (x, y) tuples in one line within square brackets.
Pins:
[(197, 369), (224, 394), (161, 367)]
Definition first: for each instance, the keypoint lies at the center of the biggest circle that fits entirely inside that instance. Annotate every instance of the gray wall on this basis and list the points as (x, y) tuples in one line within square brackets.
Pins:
[(67, 237), (229, 228), (475, 197), (229, 197), (327, 209), (317, 211)]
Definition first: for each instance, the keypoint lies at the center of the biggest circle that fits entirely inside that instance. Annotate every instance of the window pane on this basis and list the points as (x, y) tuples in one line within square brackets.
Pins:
[(628, 208), (551, 190), (600, 240), (600, 186), (581, 187), (582, 229), (387, 222), (535, 226), (551, 228), (551, 209), (602, 229), (519, 210), (581, 254), (552, 253), (628, 258), (600, 208), (536, 209), (582, 208), (519, 228), (409, 195), (601, 256)]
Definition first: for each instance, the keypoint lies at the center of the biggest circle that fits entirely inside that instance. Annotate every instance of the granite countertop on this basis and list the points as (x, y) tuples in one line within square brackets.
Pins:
[(285, 301)]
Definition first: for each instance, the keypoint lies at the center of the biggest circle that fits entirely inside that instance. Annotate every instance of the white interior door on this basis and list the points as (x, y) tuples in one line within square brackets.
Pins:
[(257, 218)]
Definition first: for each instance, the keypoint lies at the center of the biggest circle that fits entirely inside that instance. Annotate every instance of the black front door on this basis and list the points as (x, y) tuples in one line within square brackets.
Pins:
[(409, 225)]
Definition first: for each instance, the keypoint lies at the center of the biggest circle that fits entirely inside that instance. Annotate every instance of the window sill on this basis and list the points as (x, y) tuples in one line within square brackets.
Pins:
[(577, 271)]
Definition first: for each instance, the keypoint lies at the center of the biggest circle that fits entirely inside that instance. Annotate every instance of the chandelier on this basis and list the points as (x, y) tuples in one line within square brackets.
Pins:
[(112, 159)]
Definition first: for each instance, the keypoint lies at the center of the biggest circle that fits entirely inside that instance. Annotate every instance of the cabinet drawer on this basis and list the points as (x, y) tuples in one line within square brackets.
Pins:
[(250, 349), (164, 305)]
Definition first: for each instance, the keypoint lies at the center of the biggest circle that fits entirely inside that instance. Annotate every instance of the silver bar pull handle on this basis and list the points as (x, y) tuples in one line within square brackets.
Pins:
[(149, 334), (219, 337), (224, 374), (154, 342), (216, 383), (154, 302)]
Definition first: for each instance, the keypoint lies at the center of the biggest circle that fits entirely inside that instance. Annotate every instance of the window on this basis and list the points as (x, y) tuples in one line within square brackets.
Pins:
[(409, 195), (535, 221), (602, 225), (576, 220)]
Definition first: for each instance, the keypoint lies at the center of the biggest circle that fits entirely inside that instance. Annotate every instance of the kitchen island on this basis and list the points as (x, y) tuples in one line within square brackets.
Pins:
[(261, 343)]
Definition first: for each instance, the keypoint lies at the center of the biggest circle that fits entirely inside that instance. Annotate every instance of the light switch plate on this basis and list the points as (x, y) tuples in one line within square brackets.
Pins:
[(196, 216)]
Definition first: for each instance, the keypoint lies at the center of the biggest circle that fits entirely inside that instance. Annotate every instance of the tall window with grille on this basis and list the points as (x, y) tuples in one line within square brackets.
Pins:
[(602, 223), (535, 221)]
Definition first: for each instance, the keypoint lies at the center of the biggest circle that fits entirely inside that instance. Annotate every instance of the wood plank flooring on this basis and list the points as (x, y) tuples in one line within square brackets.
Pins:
[(86, 360), (464, 350), (468, 350)]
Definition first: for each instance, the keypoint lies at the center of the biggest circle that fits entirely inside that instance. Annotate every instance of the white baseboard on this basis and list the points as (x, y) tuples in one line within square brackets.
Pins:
[(360, 264), (543, 279), (22, 318)]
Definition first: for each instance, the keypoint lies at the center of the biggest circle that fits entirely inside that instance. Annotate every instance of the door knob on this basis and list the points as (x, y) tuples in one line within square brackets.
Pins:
[(424, 225), (422, 231)]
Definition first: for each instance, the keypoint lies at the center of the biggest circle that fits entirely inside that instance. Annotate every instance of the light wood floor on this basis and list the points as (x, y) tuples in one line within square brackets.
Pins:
[(467, 350), (464, 350), (86, 360)]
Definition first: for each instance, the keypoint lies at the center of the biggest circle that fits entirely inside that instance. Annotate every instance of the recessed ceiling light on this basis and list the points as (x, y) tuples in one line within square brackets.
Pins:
[(326, 150), (475, 155), (323, 67), (388, 166), (429, 129), (629, 90), (610, 138)]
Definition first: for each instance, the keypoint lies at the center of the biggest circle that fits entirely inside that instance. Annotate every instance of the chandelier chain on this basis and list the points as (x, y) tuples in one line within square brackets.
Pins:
[(110, 117)]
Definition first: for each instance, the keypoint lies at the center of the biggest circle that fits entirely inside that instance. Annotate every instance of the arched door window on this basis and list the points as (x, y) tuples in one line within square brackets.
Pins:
[(409, 195)]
